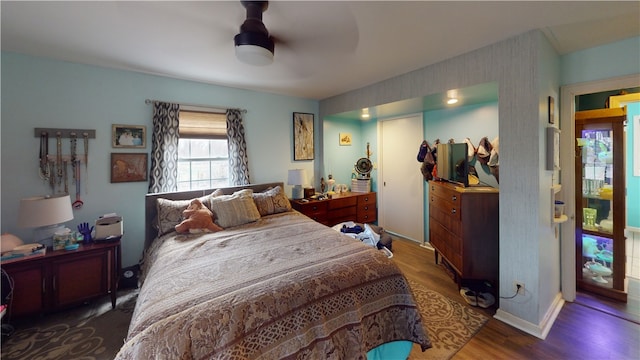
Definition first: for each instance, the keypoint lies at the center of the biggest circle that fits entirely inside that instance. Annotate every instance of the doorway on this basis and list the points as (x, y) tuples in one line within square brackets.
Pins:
[(401, 190), (567, 159)]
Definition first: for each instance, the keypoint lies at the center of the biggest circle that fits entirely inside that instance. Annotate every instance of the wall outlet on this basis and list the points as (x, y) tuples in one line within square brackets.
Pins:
[(519, 287)]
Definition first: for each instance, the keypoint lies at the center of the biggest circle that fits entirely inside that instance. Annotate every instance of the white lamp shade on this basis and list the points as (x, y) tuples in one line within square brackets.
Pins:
[(41, 211), (297, 177)]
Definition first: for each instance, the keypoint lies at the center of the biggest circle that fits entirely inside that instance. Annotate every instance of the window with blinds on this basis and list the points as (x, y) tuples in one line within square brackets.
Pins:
[(203, 155)]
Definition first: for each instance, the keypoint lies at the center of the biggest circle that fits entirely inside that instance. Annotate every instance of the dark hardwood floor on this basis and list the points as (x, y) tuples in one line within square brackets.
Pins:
[(581, 331)]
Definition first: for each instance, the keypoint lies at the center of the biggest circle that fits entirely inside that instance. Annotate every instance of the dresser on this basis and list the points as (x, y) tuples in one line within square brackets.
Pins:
[(349, 206), (61, 278), (463, 230)]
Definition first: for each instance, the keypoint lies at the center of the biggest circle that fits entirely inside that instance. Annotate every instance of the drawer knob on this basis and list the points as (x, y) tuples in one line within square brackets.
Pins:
[(453, 211), (366, 208), (454, 198)]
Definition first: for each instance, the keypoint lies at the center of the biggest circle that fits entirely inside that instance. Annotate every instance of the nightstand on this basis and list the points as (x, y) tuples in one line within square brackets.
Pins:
[(62, 278)]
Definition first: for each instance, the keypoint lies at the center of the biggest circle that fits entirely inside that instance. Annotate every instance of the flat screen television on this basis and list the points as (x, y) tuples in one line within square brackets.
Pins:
[(452, 163)]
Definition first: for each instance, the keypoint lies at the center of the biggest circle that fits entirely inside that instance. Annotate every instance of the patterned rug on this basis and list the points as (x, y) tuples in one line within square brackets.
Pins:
[(450, 324), (96, 332)]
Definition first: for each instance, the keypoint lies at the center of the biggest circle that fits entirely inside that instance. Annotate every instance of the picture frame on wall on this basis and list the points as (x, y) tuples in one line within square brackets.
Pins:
[(128, 136), (345, 139), (303, 148), (128, 167)]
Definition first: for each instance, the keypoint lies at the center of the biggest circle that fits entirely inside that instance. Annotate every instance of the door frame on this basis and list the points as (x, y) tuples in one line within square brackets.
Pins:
[(567, 135)]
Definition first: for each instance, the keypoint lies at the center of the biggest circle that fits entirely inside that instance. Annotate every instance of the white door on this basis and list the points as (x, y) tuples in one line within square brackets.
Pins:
[(400, 186)]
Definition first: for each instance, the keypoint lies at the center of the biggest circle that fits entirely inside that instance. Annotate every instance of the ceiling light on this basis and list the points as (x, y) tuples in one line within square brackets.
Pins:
[(365, 113), (452, 97), (254, 48)]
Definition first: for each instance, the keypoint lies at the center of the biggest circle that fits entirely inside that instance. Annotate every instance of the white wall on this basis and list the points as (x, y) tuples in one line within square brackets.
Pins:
[(39, 92)]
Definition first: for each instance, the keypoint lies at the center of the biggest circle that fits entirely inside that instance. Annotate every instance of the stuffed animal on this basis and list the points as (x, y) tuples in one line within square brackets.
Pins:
[(197, 218)]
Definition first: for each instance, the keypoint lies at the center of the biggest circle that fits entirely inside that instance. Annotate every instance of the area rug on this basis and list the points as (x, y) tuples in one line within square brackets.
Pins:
[(450, 324), (96, 332), (89, 332)]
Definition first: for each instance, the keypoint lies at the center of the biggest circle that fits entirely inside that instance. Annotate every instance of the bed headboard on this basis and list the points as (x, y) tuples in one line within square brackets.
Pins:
[(151, 208)]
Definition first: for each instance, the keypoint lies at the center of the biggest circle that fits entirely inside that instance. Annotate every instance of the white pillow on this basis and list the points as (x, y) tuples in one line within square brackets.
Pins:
[(233, 210)]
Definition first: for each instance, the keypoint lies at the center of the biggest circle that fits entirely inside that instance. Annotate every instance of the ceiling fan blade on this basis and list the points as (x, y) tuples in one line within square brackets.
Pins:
[(291, 24)]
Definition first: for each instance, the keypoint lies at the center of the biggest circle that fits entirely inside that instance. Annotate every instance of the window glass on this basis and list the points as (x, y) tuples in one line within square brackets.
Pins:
[(203, 158)]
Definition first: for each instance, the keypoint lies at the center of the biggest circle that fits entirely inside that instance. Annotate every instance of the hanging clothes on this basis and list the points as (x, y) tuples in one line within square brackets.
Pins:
[(426, 155)]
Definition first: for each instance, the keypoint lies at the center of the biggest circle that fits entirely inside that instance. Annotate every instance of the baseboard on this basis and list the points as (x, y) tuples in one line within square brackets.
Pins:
[(538, 330)]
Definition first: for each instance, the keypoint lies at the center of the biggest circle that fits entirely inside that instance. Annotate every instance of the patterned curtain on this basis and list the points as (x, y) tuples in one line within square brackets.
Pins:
[(238, 160), (164, 148)]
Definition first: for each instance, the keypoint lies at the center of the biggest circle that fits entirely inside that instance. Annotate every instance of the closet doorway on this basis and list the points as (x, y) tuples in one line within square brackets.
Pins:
[(400, 183)]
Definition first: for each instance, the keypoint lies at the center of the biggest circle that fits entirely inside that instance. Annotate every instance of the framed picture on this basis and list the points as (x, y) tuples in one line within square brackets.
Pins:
[(128, 136), (345, 139), (302, 136), (551, 104), (128, 167)]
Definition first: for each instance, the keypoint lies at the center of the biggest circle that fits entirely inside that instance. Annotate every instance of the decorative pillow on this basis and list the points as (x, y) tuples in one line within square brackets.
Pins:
[(234, 210), (170, 212), (272, 201)]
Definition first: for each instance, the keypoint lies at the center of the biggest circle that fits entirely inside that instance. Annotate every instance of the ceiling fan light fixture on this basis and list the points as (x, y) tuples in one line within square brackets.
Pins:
[(254, 55), (254, 46)]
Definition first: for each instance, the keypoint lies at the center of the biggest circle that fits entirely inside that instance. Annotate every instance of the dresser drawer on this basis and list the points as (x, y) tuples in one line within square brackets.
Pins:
[(367, 215), (449, 245), (368, 199), (445, 193), (445, 206), (341, 215), (342, 202), (317, 210), (447, 218), (367, 211)]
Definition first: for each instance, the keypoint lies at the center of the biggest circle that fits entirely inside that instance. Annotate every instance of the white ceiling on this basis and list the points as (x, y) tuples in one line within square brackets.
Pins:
[(323, 49)]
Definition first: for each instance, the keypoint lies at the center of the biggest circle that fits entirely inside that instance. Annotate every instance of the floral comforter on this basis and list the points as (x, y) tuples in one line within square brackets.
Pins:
[(282, 287)]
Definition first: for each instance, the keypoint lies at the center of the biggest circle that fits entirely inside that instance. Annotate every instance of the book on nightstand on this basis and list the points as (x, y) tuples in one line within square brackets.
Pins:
[(22, 252)]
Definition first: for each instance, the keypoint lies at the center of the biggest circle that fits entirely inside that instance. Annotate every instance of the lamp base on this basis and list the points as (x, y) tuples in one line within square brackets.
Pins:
[(297, 193), (44, 234)]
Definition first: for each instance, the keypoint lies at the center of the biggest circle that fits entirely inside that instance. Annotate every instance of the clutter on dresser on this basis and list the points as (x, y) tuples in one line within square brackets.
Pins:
[(108, 228)]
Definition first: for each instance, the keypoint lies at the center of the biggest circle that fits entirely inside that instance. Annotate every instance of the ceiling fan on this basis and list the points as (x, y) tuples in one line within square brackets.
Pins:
[(299, 32), (254, 45)]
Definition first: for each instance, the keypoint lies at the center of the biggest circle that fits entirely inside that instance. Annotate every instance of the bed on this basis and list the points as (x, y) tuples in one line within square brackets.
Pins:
[(274, 285)]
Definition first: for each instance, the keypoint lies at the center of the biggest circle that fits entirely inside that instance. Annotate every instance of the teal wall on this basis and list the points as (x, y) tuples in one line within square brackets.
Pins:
[(38, 92), (472, 121), (339, 160), (633, 182), (601, 62)]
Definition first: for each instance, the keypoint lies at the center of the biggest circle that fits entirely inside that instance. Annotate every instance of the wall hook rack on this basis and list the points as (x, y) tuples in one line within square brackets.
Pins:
[(65, 133)]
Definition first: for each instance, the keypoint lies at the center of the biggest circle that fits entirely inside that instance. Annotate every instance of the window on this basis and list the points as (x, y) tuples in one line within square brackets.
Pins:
[(203, 155)]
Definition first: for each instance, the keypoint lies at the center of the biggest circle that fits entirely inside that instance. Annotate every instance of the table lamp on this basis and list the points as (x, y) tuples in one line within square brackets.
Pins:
[(45, 213), (297, 178)]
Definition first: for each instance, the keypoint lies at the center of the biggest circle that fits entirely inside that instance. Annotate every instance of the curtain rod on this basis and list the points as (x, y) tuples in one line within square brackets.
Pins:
[(149, 101)]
